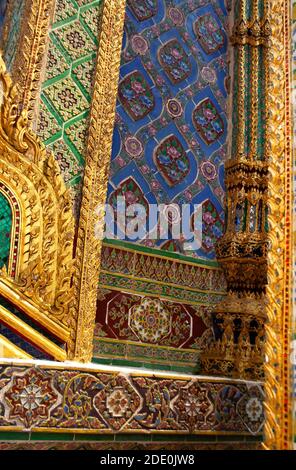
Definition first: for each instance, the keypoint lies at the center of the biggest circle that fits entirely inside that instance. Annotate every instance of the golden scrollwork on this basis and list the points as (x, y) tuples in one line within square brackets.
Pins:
[(42, 278), (31, 50), (88, 258), (278, 386)]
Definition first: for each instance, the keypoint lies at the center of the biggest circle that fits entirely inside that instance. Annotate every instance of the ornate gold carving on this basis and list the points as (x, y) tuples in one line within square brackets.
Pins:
[(278, 386), (45, 249), (242, 251), (30, 56), (88, 257), (253, 31), (239, 329)]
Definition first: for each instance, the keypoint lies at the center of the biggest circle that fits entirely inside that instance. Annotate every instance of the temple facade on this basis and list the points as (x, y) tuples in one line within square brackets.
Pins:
[(146, 224)]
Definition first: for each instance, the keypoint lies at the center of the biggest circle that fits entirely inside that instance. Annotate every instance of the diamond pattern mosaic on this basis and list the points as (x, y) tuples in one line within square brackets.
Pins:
[(5, 229), (171, 123), (67, 87)]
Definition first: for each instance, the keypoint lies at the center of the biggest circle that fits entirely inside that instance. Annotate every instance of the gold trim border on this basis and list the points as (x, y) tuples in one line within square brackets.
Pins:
[(278, 384), (88, 251)]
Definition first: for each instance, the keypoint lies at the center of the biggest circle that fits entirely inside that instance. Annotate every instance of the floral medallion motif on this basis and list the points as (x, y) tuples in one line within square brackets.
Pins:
[(209, 33), (133, 146), (171, 160), (174, 108), (136, 96), (174, 61), (117, 402), (149, 320), (143, 9), (30, 397), (208, 74), (208, 170), (139, 44), (251, 410), (176, 16), (207, 121), (194, 407)]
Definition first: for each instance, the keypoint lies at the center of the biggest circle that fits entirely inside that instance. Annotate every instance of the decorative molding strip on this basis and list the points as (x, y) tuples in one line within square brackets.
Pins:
[(149, 272), (278, 386), (31, 53), (88, 251), (90, 400), (148, 446)]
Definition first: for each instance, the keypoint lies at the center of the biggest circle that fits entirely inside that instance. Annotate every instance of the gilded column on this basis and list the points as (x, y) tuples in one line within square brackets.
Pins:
[(237, 348), (278, 431), (96, 175)]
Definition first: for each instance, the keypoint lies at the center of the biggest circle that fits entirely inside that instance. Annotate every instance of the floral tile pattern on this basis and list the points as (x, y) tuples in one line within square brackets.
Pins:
[(171, 124), (136, 96), (209, 33), (171, 160), (208, 121), (175, 61), (143, 9), (32, 398)]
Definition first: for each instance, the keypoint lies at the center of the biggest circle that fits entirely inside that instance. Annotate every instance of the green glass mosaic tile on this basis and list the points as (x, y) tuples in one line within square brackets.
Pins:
[(47, 124), (75, 40), (91, 18), (261, 105), (64, 10), (235, 105), (66, 98), (84, 73), (77, 133), (67, 87), (248, 59), (66, 159), (5, 229), (56, 63)]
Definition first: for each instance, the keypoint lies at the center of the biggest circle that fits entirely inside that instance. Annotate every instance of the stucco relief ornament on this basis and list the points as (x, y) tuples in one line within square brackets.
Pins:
[(208, 75), (133, 146), (139, 44), (208, 170), (174, 108), (176, 16)]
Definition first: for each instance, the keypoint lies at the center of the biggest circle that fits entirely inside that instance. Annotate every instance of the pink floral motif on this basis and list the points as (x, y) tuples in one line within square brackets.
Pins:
[(155, 185), (120, 162), (151, 130), (188, 195), (176, 54), (208, 218), (137, 87), (130, 197), (173, 152), (176, 16), (145, 169)]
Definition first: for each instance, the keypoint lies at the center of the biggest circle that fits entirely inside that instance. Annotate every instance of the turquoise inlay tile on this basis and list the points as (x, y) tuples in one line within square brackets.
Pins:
[(5, 230)]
